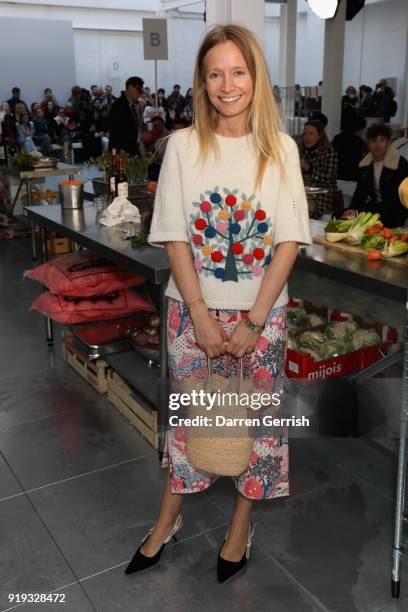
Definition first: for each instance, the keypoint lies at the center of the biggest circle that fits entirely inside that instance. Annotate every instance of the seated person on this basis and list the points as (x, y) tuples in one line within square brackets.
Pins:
[(25, 133), (41, 135), (351, 149), (318, 162), (380, 174)]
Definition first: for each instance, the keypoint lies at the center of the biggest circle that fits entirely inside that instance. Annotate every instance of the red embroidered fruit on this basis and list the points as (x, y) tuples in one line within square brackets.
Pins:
[(217, 256), (200, 224), (205, 207), (248, 259), (197, 239), (260, 215), (259, 253), (237, 248), (230, 200), (239, 215)]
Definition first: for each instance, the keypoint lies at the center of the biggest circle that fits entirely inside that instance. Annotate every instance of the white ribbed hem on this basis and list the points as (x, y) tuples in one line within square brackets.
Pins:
[(224, 305), (157, 238)]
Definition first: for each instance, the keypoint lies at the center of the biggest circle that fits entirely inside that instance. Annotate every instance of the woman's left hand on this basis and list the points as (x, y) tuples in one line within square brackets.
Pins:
[(305, 166), (241, 341)]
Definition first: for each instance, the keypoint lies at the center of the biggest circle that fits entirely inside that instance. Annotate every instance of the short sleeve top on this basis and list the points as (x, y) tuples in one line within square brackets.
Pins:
[(232, 230)]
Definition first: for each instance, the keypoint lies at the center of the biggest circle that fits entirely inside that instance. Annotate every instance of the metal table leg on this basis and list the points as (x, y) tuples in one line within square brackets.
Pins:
[(16, 197), (163, 387), (49, 329), (32, 224), (399, 510)]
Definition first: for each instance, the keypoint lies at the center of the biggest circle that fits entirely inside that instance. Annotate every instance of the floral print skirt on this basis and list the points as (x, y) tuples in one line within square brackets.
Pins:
[(266, 476)]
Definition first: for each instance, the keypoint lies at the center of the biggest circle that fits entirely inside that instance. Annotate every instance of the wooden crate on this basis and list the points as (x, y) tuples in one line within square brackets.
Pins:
[(133, 407), (94, 372), (58, 245)]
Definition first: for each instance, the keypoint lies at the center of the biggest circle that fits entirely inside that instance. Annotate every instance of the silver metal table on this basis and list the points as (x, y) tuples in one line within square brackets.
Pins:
[(83, 228), (391, 281), (27, 177)]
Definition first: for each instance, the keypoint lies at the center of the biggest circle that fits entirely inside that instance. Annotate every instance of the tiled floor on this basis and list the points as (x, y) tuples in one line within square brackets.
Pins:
[(79, 487)]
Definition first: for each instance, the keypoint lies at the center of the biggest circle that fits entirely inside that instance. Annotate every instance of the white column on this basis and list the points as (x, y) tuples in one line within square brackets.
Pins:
[(287, 43), (333, 69), (251, 14)]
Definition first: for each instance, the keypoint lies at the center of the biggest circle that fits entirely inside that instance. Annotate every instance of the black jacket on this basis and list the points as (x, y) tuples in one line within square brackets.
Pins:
[(124, 126), (350, 151), (395, 169)]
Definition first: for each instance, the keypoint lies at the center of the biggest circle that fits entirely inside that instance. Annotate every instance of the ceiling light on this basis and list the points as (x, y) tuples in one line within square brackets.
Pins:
[(325, 9)]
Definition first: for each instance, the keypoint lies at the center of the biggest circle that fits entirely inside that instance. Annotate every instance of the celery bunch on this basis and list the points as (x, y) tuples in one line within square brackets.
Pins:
[(363, 223)]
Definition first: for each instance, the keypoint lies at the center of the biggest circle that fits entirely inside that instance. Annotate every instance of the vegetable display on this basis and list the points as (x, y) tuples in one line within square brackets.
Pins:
[(367, 232), (329, 339)]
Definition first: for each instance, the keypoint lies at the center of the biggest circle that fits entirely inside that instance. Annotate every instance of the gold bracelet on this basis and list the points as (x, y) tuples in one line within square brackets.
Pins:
[(256, 329), (193, 302)]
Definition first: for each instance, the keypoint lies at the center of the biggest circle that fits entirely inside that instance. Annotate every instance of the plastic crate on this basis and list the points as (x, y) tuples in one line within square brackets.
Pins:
[(306, 369)]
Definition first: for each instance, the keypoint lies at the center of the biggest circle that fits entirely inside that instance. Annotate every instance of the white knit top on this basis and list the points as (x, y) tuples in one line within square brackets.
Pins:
[(231, 229)]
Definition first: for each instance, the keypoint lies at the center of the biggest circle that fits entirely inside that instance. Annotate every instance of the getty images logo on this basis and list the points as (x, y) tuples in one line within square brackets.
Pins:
[(324, 371)]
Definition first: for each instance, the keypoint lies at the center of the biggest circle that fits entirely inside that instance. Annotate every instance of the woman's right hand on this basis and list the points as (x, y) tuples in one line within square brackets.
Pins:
[(209, 333)]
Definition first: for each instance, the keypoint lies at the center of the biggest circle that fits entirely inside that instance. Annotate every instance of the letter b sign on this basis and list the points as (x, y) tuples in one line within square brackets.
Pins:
[(155, 39)]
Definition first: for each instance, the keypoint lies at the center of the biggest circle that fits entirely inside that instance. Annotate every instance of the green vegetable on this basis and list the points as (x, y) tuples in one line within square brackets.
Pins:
[(308, 351), (363, 338), (395, 249), (24, 161), (292, 344), (373, 242), (298, 316), (138, 241), (338, 225), (315, 320), (340, 329), (363, 223), (312, 339), (332, 348)]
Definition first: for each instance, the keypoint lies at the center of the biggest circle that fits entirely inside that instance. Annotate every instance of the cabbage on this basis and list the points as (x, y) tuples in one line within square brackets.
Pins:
[(312, 339), (340, 329), (293, 314), (315, 320), (292, 344), (308, 351), (363, 338), (332, 348)]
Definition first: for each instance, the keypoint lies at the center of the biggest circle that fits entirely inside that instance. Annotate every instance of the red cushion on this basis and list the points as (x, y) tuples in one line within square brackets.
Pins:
[(67, 309), (83, 274)]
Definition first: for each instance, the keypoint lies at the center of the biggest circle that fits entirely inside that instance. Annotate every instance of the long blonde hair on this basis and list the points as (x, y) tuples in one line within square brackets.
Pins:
[(264, 119)]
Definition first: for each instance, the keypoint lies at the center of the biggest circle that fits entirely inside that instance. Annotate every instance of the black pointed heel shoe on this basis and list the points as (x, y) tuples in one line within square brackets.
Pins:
[(140, 562), (228, 569)]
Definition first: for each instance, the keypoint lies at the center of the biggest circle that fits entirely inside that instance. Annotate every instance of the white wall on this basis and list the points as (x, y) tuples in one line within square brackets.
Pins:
[(376, 42), (31, 59), (375, 47)]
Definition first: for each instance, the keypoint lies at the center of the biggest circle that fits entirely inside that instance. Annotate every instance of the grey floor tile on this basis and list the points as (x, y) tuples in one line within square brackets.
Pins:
[(18, 299), (99, 520), (44, 394), (8, 483), (185, 579), (24, 349), (310, 467), (364, 459), (29, 560), (71, 443), (75, 600), (336, 542), (398, 605)]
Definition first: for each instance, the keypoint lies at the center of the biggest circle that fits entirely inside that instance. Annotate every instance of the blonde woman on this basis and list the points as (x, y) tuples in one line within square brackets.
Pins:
[(231, 211)]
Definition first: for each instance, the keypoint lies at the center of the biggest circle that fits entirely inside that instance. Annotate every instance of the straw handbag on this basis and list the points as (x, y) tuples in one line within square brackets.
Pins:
[(220, 449)]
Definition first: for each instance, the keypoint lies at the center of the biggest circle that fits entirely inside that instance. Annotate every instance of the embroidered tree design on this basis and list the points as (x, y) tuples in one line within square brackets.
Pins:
[(231, 235)]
